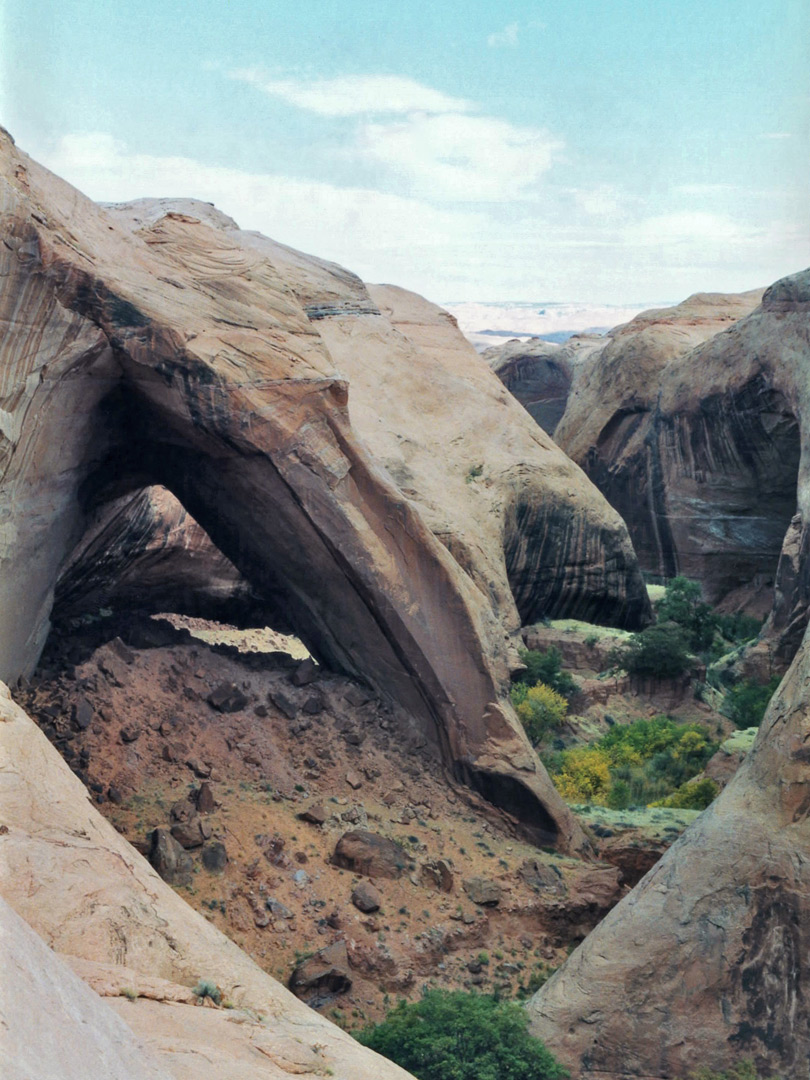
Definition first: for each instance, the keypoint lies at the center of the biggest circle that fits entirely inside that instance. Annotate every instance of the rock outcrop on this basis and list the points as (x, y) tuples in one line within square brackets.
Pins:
[(145, 552), (705, 963), (692, 432), (539, 373), (344, 448), (96, 901)]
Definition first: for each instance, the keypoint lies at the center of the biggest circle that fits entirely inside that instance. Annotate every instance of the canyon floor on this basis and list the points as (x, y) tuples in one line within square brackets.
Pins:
[(260, 762)]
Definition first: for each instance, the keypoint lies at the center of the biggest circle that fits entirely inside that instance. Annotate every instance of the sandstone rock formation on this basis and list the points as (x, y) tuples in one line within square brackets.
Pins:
[(705, 963), (688, 422), (539, 373), (53, 1024), (95, 900), (345, 448), (145, 552)]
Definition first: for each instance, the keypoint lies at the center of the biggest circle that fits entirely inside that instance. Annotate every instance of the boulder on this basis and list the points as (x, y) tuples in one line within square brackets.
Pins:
[(215, 857), (324, 975), (192, 833), (169, 858), (367, 853), (483, 891), (437, 874), (366, 898), (227, 698), (316, 814)]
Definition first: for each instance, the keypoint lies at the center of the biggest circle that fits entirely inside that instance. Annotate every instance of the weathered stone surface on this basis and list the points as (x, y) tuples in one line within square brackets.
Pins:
[(192, 833), (317, 814), (54, 1025), (483, 891), (169, 858), (366, 898), (369, 854), (323, 975), (705, 962), (204, 799), (227, 698), (271, 394), (437, 875), (540, 373), (701, 447), (215, 857), (58, 852), (144, 551)]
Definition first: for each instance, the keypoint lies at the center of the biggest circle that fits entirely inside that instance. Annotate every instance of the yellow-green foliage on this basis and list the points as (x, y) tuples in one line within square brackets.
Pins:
[(635, 764), (693, 795), (585, 775), (541, 709)]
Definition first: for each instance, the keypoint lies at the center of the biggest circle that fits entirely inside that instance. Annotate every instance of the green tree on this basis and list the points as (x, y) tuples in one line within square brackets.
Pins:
[(453, 1035), (682, 604), (546, 667), (660, 652), (540, 710), (746, 702)]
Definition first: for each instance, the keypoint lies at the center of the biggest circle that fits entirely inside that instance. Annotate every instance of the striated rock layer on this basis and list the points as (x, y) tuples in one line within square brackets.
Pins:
[(706, 962), (704, 451), (345, 449)]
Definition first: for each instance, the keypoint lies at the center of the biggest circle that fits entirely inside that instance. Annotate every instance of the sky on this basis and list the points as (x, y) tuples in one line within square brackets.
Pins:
[(601, 151)]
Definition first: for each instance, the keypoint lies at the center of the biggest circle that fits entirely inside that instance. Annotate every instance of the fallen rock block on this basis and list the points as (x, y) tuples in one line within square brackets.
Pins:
[(369, 854)]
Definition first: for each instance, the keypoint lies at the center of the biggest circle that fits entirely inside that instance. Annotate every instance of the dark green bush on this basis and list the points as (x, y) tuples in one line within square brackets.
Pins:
[(659, 652), (453, 1035), (682, 604), (546, 667), (746, 702), (744, 1071), (738, 627)]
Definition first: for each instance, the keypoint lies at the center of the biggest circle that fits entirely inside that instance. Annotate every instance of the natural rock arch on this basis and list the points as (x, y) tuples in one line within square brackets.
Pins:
[(259, 386)]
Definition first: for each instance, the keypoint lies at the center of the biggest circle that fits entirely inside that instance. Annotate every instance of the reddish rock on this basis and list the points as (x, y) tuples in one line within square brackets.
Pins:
[(369, 854)]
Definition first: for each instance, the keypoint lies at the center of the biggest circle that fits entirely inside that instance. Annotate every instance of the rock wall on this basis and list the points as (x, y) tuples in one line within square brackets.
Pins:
[(705, 963), (704, 450), (365, 472), (144, 552)]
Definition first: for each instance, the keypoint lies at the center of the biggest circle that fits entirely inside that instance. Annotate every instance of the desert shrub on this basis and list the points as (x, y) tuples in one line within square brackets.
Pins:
[(205, 988), (546, 667), (453, 1035), (646, 761), (540, 710), (693, 795), (660, 652), (682, 604), (584, 776), (746, 702)]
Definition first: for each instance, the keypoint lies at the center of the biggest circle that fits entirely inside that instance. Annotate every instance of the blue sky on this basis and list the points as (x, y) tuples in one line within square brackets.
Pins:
[(595, 150)]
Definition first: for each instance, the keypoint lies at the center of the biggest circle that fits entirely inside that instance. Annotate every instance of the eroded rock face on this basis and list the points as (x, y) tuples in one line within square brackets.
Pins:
[(145, 552), (53, 1024), (539, 373), (344, 448), (701, 446), (705, 963)]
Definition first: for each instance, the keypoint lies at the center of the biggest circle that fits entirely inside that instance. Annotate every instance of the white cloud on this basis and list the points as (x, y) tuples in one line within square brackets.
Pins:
[(506, 38), (469, 158), (602, 201), (353, 95), (514, 252), (776, 135)]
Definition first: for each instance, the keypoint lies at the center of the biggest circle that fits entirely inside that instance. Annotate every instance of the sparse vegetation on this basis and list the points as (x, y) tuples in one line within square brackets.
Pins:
[(635, 765), (462, 1036), (206, 988)]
